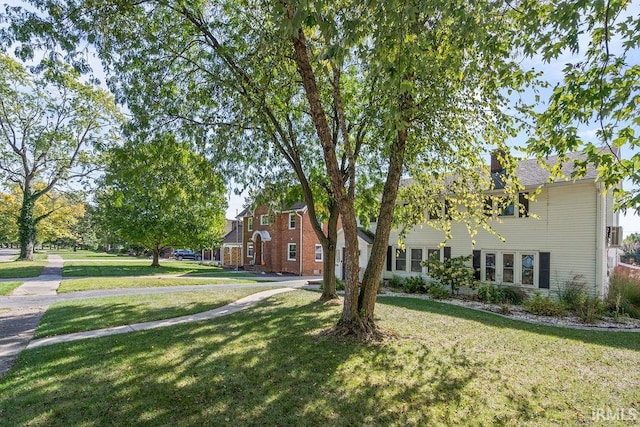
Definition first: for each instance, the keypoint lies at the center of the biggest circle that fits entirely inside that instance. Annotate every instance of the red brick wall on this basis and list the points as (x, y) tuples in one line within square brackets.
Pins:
[(276, 251)]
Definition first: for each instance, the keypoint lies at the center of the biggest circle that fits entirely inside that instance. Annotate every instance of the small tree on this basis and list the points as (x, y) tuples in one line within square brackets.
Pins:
[(454, 272), (159, 193)]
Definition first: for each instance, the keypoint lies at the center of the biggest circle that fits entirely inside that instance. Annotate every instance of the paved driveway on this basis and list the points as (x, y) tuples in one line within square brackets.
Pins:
[(7, 255)]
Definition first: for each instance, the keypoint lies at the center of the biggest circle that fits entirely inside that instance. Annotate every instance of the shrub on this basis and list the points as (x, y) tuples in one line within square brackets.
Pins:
[(591, 309), (339, 285), (501, 294), (453, 272), (514, 295), (544, 306), (414, 284), (624, 293), (396, 282), (572, 293), (438, 291)]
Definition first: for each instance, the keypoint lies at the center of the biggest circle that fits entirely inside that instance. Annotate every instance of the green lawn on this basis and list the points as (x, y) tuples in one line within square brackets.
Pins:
[(131, 267), (447, 365), (22, 269), (94, 283), (7, 287), (69, 254), (98, 313)]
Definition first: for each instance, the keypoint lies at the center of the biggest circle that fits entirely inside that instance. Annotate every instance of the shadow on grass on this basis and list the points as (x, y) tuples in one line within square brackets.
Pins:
[(613, 338), (20, 270), (113, 269), (263, 366), (66, 319)]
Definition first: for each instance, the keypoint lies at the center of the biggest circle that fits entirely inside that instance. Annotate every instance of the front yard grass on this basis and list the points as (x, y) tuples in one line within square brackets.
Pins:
[(446, 365), (131, 267), (97, 313), (22, 269), (7, 287), (69, 254), (98, 283)]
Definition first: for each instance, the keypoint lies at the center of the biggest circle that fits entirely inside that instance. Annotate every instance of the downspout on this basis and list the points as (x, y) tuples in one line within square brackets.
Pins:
[(300, 252)]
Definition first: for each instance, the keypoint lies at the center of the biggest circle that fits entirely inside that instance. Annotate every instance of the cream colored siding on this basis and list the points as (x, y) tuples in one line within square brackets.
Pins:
[(566, 228)]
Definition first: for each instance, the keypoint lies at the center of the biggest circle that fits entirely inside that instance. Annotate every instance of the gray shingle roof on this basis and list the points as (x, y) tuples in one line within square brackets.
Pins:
[(234, 236)]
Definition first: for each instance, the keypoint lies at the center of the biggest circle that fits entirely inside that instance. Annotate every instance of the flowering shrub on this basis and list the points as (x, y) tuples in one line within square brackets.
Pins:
[(454, 272)]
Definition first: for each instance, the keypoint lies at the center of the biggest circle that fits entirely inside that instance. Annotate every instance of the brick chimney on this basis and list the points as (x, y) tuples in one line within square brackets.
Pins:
[(496, 165)]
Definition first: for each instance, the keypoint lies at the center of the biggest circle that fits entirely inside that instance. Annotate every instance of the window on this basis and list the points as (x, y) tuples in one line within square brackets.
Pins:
[(249, 250), (291, 252), (416, 260), (401, 260), (292, 221), (490, 267), (508, 210), (264, 219), (488, 206), (523, 202), (507, 268), (433, 253), (249, 224), (434, 212), (528, 262), (318, 253)]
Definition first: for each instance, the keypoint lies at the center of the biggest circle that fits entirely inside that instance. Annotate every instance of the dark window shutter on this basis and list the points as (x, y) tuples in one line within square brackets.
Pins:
[(545, 270), (447, 252), (476, 264), (524, 205), (389, 260)]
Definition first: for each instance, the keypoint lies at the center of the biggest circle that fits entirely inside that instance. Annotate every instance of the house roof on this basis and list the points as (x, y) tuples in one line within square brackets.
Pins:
[(296, 207), (235, 235), (365, 235), (530, 173)]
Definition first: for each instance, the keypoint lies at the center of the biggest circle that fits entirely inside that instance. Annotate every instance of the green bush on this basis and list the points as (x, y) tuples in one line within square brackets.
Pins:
[(501, 294), (544, 306), (591, 309), (438, 291), (573, 294), (624, 293), (396, 282), (454, 272), (412, 285)]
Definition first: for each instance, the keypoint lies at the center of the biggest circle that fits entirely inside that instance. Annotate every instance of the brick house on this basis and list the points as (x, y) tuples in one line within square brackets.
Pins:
[(281, 241)]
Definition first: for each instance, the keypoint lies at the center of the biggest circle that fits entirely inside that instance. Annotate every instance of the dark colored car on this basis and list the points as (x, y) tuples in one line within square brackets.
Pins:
[(181, 254)]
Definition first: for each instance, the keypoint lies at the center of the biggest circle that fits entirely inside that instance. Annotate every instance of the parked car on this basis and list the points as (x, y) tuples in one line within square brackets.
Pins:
[(181, 254)]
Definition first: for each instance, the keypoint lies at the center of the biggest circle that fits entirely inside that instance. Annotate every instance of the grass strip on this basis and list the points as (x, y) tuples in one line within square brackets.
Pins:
[(131, 267), (444, 365), (21, 269), (7, 287), (97, 313), (98, 283)]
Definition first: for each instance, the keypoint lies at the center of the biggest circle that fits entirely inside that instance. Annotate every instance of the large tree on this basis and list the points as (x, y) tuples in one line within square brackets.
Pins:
[(51, 127), (392, 86), (158, 193)]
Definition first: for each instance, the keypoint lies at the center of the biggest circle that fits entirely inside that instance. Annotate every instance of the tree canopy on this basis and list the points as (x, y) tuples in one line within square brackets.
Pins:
[(52, 128), (158, 192)]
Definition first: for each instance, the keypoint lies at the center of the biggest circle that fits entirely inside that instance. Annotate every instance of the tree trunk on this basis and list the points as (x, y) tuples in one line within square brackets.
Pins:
[(156, 257), (373, 272), (329, 267), (27, 226)]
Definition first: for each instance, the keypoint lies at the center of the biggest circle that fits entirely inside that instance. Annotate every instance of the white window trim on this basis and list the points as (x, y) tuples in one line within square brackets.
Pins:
[(250, 252), (517, 267), (292, 216), (289, 245), (264, 219), (410, 259), (395, 258), (249, 224), (318, 246)]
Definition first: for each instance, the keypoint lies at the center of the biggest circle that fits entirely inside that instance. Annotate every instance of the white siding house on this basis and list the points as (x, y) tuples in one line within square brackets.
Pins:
[(565, 233)]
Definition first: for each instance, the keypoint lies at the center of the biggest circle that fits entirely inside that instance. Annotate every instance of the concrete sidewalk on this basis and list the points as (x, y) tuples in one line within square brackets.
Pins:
[(234, 307), (45, 284)]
